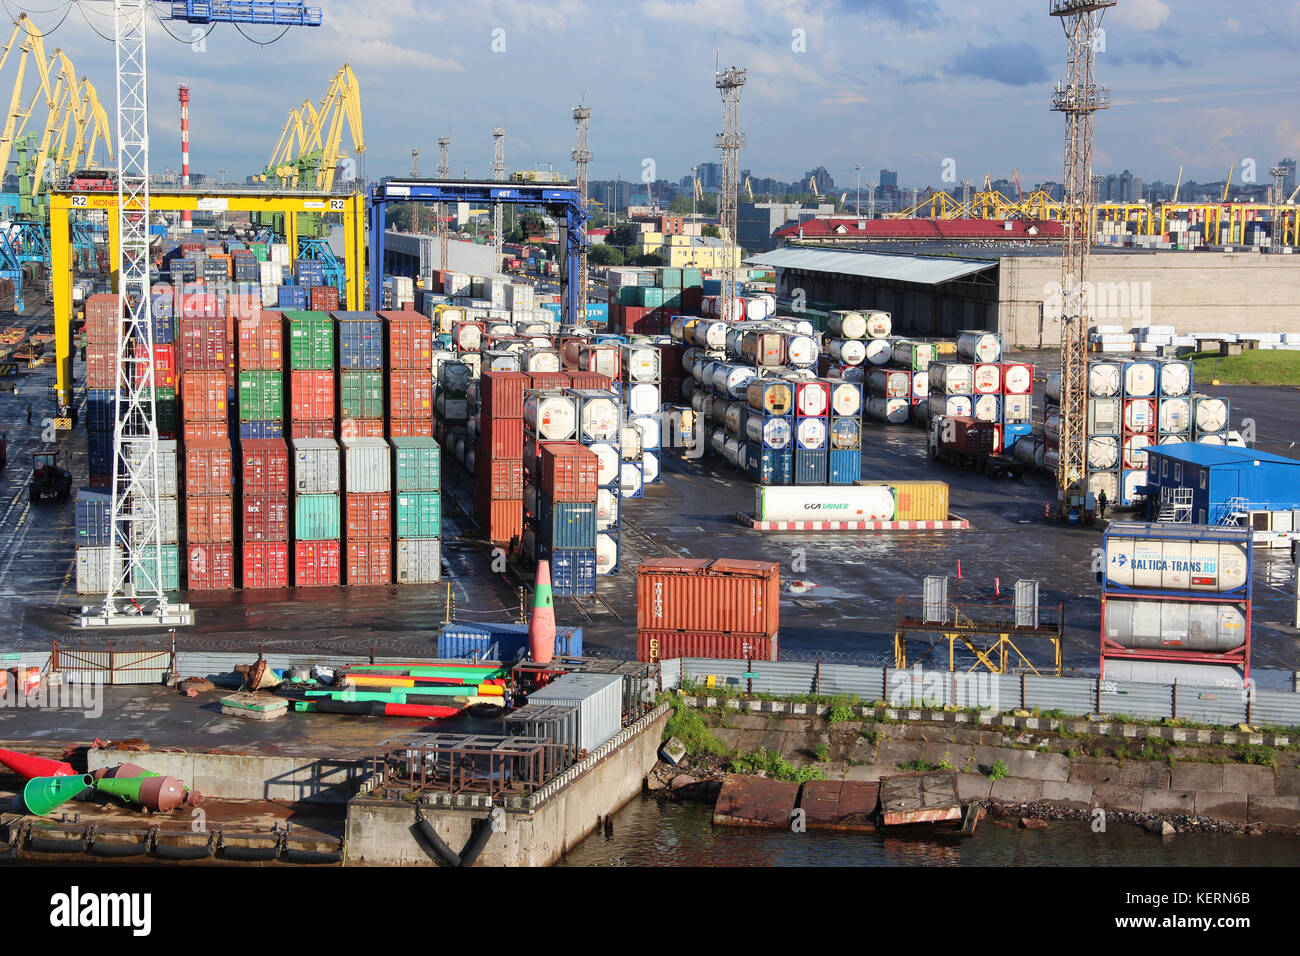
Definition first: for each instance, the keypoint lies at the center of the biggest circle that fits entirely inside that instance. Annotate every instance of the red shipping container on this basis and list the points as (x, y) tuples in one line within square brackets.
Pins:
[(316, 564), (654, 646), (692, 299), (324, 298), (502, 437), (311, 429), (203, 344), (723, 596), (101, 318), (243, 307), (209, 520), (101, 365), (361, 428), (205, 431), (210, 567), (311, 396), (368, 516), (265, 517), (408, 339), (410, 428), (369, 562), (261, 343), (195, 301), (266, 565), (569, 471), (165, 369), (540, 380), (410, 393), (499, 521), (264, 466), (205, 396), (208, 469), (579, 379), (501, 395), (502, 478)]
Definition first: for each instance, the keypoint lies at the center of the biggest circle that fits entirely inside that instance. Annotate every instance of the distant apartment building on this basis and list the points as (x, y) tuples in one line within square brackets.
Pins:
[(889, 179), (756, 221)]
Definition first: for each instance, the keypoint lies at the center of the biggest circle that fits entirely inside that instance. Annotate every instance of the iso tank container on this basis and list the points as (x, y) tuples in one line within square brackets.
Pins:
[(1204, 626), (722, 596), (1168, 557), (795, 503), (979, 347)]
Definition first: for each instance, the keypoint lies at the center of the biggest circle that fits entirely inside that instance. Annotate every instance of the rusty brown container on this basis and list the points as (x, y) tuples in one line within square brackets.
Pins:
[(208, 468), (653, 646), (722, 596), (209, 519)]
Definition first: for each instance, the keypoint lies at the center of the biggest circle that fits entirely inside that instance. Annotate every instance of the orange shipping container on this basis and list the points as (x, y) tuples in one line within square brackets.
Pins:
[(362, 428), (723, 596), (312, 396), (369, 516), (369, 562), (204, 397), (410, 428), (209, 520), (205, 431), (261, 343), (653, 646), (311, 429), (211, 567), (208, 468), (101, 365), (410, 340), (410, 393), (500, 521)]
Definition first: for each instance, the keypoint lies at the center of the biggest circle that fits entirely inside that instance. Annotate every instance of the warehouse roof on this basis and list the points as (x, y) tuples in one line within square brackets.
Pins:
[(1209, 455), (926, 270)]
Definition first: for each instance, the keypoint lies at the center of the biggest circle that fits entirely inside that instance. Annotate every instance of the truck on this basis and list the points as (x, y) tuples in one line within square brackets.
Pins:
[(969, 443)]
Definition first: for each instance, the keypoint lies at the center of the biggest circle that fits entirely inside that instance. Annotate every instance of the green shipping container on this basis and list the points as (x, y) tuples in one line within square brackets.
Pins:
[(652, 297), (417, 464), (166, 411), (311, 341), (260, 251), (261, 397), (692, 278), (361, 394), (316, 518), (628, 295), (419, 515), (142, 574), (672, 299), (670, 278)]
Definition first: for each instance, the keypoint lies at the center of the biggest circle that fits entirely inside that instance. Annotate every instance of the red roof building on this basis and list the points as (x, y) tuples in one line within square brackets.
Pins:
[(851, 229)]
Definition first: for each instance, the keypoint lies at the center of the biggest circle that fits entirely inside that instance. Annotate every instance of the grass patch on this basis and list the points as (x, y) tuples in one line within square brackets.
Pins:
[(822, 752), (841, 714), (771, 763), (998, 771), (923, 766), (688, 726), (1259, 755), (1251, 367)]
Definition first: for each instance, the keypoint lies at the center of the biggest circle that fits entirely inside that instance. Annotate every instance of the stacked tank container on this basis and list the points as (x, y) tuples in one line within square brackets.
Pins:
[(858, 339), (1210, 419), (361, 392), (599, 428), (316, 471), (642, 393), (417, 492), (499, 460), (311, 377)]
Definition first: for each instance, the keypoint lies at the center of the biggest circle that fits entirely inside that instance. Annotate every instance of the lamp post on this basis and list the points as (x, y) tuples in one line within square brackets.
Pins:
[(694, 222), (858, 202)]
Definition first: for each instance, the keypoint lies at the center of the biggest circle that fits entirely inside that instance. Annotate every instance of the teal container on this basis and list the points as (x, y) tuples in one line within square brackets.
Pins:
[(419, 514), (142, 574), (417, 464), (311, 341), (692, 278), (628, 295), (316, 518), (672, 299), (670, 278), (261, 397), (652, 296)]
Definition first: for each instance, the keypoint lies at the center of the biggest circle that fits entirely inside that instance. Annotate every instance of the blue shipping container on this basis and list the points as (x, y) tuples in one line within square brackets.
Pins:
[(566, 525), (293, 297), (101, 404), (844, 466), (251, 431), (361, 343), (810, 466), (1012, 434), (573, 573), (476, 640), (94, 524), (100, 447)]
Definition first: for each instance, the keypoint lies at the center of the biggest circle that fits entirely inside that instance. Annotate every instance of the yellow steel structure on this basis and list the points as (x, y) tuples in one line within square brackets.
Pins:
[(993, 644), (313, 136), (65, 204)]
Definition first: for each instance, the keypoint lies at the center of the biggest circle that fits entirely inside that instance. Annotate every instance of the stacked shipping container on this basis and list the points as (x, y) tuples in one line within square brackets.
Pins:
[(723, 608), (499, 462)]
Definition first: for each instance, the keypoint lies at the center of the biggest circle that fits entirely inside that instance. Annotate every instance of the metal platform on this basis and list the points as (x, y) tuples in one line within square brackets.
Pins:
[(991, 632), (168, 615)]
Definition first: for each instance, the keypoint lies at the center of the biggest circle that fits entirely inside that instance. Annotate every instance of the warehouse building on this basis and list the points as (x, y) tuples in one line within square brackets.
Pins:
[(935, 288), (1224, 479)]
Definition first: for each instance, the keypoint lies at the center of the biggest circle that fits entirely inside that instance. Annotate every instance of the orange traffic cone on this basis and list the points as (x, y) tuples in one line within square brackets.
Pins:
[(541, 626), (29, 767)]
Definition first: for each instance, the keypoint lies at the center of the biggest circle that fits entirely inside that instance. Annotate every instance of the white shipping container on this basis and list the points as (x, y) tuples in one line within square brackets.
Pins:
[(599, 699), (169, 524), (824, 503), (367, 466), (95, 568), (316, 464), (168, 483), (419, 560)]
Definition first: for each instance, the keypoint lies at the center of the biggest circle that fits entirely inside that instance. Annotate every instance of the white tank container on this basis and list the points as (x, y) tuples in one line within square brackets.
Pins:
[(847, 351), (953, 406), (648, 426), (846, 399), (732, 380), (1103, 455), (988, 408), (988, 379), (893, 411), (630, 481), (467, 337), (1175, 415), (607, 461), (475, 362), (768, 431), (606, 554), (952, 378), (1175, 379), (976, 346), (1018, 379), (1017, 409), (1130, 481), (812, 399), (1171, 564), (711, 335), (643, 398), (889, 383), (824, 503), (1105, 379), (1028, 451), (1099, 481), (847, 325), (598, 415), (1211, 414), (879, 325), (631, 442), (810, 433), (1170, 625), (801, 351), (920, 385), (650, 466), (1139, 414), (540, 360), (1140, 380), (878, 351), (606, 507), (498, 361), (1211, 439), (1051, 458), (552, 415), (642, 364), (1052, 425), (1135, 451)]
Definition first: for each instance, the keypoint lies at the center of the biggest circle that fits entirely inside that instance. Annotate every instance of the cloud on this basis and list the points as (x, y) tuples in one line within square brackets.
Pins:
[(1142, 14), (1151, 57), (1015, 64)]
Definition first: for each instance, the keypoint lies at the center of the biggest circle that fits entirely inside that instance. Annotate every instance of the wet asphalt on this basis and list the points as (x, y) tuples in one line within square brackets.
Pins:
[(849, 615)]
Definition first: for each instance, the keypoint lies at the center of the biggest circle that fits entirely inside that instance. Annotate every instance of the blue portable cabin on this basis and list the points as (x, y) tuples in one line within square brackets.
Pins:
[(1216, 474)]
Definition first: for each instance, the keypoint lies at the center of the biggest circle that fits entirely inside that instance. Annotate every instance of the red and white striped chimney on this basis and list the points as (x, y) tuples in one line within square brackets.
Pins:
[(186, 221)]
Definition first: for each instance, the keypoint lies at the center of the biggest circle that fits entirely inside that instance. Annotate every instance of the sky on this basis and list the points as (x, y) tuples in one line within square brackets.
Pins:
[(912, 85)]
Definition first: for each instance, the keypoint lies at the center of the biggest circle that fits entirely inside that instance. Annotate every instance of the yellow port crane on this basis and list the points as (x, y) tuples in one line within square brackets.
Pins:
[(310, 144)]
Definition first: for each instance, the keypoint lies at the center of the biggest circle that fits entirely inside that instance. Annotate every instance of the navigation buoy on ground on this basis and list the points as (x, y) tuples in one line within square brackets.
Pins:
[(30, 767), (43, 795), (541, 626)]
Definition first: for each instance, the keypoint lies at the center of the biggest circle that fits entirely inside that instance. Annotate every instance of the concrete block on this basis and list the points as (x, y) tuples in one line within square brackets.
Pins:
[(1013, 790), (869, 771), (1122, 799), (1077, 795), (1095, 771), (898, 752), (1249, 779), (1281, 812), (1221, 805), (955, 754), (1287, 782), (1168, 801), (973, 786), (1144, 775), (1197, 776), (1037, 765)]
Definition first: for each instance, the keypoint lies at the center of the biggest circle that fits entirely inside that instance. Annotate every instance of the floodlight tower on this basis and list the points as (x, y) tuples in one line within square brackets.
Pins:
[(731, 141), (1079, 98), (1278, 230), (582, 159), (444, 170), (498, 174)]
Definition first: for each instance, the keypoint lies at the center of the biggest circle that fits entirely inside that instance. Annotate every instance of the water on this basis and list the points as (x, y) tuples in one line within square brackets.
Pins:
[(650, 833)]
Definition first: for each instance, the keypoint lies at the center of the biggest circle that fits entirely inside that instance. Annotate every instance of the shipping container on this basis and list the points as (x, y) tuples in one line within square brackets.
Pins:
[(410, 394), (265, 467), (317, 564), (261, 396), (144, 575), (360, 341), (204, 345), (361, 395), (499, 521), (368, 561), (266, 565), (261, 343), (265, 517), (418, 514), (503, 438), (417, 464), (410, 341), (565, 526), (501, 395), (598, 698), (311, 396), (95, 569), (368, 515), (502, 478), (205, 397), (311, 341), (654, 646), (569, 471), (573, 573), (209, 520), (316, 517), (920, 500), (316, 466), (500, 642), (209, 468), (723, 595), (94, 524), (316, 430), (418, 561), (367, 466)]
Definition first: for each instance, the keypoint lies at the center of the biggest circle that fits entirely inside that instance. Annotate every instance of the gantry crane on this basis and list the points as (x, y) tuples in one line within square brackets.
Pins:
[(135, 591)]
